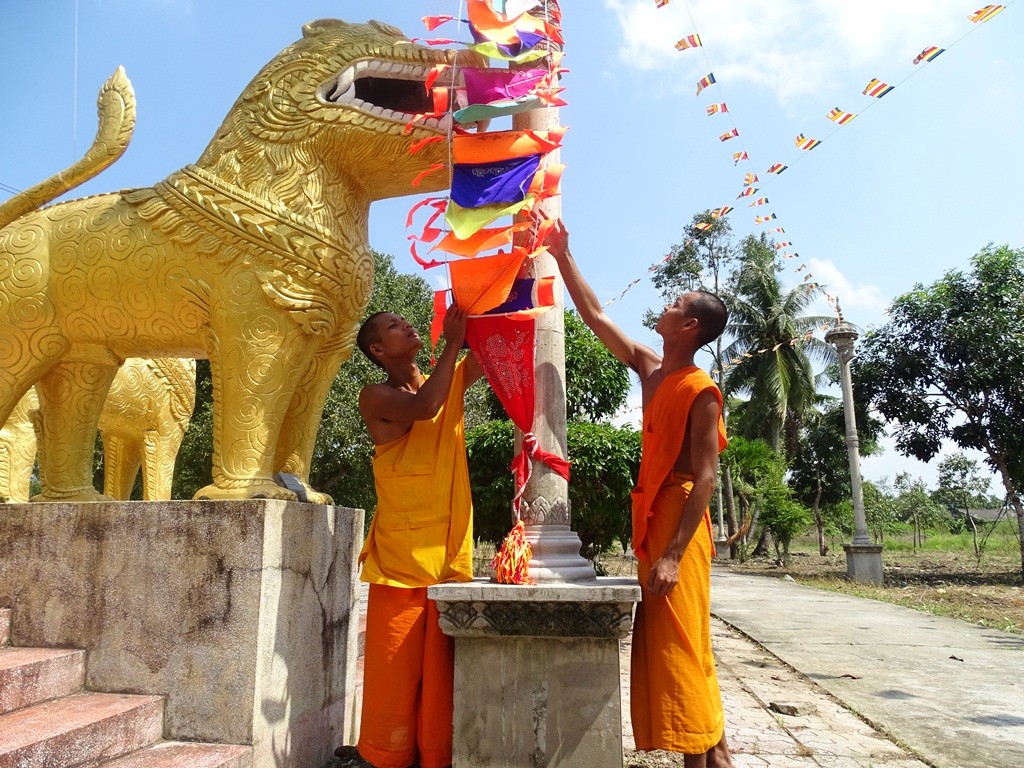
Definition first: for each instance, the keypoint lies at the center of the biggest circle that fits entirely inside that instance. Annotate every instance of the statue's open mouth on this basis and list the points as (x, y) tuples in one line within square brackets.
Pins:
[(392, 90)]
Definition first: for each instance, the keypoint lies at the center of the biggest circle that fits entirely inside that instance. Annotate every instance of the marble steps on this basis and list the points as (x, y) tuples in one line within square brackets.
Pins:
[(47, 720)]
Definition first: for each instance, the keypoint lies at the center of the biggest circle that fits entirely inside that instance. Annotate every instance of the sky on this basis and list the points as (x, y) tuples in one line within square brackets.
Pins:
[(915, 185)]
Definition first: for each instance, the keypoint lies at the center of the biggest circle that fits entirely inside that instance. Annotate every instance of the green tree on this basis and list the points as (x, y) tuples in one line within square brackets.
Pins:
[(961, 487), (949, 365), (879, 510), (752, 465), (820, 470), (784, 517), (772, 349), (914, 505), (597, 384)]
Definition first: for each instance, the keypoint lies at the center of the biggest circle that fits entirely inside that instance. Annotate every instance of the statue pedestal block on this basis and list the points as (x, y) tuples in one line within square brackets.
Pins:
[(723, 549), (537, 671), (238, 611), (864, 563)]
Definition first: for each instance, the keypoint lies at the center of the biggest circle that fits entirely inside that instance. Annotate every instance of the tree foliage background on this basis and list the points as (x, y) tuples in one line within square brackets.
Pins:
[(949, 365)]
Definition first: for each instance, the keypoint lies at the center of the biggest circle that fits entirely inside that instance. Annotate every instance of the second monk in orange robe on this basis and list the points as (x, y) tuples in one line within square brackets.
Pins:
[(421, 534), (676, 704)]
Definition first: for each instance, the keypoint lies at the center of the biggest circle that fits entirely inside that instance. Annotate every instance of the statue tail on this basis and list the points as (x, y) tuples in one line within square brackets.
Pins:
[(116, 108)]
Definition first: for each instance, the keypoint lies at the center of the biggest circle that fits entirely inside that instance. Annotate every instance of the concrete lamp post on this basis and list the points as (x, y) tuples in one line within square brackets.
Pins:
[(863, 557)]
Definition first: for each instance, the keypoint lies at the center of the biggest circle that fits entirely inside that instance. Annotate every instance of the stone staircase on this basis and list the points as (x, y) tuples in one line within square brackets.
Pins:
[(48, 720)]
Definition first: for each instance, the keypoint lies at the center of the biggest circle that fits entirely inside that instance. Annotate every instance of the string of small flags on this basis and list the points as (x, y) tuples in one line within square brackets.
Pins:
[(875, 89)]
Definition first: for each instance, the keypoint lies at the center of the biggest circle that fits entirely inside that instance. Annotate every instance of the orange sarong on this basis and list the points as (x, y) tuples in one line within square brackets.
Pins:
[(675, 703), (408, 673), (674, 698)]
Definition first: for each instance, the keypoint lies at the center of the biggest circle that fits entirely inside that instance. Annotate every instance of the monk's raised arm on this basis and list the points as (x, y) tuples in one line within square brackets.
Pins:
[(640, 358)]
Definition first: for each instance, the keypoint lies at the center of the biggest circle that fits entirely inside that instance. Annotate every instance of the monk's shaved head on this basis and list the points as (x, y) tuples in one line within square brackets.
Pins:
[(369, 333), (711, 313)]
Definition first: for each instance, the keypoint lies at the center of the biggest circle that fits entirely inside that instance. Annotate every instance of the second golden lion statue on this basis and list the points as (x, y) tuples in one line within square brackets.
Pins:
[(256, 257)]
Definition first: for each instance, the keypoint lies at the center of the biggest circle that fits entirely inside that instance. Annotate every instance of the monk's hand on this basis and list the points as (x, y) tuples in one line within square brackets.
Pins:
[(663, 577), (455, 325), (557, 240)]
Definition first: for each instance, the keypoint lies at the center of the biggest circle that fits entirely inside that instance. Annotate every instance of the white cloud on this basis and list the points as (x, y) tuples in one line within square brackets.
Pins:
[(860, 300), (791, 47)]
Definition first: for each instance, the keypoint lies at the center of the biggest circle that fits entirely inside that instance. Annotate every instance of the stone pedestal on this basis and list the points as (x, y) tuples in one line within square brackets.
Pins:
[(237, 611), (537, 671), (864, 563), (723, 549)]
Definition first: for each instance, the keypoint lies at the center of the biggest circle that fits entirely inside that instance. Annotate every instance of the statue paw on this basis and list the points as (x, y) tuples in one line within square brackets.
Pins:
[(257, 489), (315, 497), (80, 494)]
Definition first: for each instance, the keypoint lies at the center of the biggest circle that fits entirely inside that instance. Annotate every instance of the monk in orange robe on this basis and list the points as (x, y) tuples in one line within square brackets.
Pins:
[(675, 701), (421, 534)]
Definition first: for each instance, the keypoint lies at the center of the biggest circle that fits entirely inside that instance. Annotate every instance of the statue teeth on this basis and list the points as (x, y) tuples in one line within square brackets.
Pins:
[(345, 81)]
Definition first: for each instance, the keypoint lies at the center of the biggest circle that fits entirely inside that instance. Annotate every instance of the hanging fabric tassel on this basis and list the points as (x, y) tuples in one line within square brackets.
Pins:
[(511, 563)]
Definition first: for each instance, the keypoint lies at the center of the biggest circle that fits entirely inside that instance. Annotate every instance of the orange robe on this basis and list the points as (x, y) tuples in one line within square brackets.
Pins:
[(675, 701), (421, 534)]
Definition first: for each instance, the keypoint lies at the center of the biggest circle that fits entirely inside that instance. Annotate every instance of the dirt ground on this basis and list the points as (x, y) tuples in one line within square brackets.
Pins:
[(945, 583)]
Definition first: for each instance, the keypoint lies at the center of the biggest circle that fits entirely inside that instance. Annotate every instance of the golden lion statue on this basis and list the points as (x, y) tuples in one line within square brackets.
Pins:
[(142, 423), (18, 450), (256, 257)]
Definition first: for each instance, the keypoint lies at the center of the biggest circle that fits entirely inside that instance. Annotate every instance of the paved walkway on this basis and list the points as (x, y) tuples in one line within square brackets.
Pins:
[(950, 691)]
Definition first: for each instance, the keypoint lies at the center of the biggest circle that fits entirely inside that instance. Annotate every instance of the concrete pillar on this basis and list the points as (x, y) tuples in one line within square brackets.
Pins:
[(863, 557), (545, 504)]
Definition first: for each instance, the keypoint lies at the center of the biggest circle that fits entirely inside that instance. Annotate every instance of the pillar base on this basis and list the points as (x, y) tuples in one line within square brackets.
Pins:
[(864, 563), (556, 555), (723, 549), (550, 694)]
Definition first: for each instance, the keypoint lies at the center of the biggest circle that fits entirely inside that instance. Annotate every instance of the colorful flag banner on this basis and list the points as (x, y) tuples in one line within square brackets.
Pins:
[(763, 219), (502, 182), (747, 192), (660, 3), (780, 230), (690, 41), (928, 54), (759, 201), (703, 226), (780, 246), (749, 179), (836, 115), (729, 135), (984, 14), (876, 88), (722, 107), (705, 81), (777, 168), (737, 156), (720, 212), (804, 143)]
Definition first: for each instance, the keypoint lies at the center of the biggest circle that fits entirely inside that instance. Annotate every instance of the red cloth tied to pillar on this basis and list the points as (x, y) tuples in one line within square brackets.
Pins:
[(523, 461), (504, 347)]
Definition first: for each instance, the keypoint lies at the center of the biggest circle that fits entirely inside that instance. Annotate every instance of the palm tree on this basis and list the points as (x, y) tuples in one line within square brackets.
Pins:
[(772, 349)]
